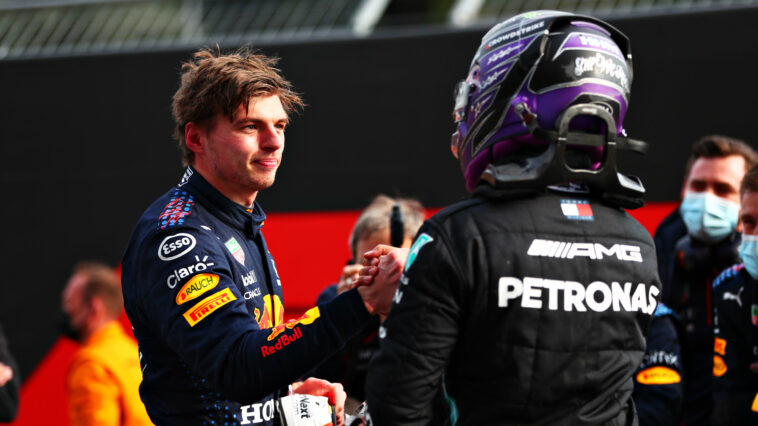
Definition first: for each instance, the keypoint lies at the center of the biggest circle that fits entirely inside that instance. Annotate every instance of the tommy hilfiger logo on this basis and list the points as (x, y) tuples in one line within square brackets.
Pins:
[(577, 209)]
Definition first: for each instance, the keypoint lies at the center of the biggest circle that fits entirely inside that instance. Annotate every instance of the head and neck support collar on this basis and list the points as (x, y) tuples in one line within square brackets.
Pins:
[(534, 174)]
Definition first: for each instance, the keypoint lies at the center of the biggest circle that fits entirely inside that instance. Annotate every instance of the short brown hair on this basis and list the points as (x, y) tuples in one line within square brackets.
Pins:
[(213, 82), (749, 181), (102, 281), (717, 146), (376, 217)]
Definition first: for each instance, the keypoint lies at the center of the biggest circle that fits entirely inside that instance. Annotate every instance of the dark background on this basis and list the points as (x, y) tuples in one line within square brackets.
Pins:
[(85, 143)]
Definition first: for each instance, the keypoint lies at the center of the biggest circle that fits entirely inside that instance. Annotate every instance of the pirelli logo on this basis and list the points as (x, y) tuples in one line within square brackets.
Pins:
[(658, 376), (208, 305)]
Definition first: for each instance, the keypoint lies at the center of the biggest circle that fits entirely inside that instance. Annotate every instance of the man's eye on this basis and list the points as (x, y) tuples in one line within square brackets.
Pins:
[(723, 189), (251, 127)]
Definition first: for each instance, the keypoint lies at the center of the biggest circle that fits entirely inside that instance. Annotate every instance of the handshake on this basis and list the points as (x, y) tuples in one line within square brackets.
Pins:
[(376, 278)]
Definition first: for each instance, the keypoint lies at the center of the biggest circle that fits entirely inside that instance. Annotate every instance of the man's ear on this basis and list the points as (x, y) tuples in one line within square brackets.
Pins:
[(194, 136)]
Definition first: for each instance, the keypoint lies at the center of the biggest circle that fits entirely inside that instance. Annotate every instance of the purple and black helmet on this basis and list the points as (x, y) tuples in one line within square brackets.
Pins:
[(526, 74)]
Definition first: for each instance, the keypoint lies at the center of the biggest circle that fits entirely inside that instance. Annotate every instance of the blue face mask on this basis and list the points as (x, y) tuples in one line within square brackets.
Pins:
[(707, 217), (749, 254)]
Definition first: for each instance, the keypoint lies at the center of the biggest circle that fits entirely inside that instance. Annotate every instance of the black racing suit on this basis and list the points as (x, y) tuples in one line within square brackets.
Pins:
[(687, 268), (205, 302), (735, 385), (526, 311)]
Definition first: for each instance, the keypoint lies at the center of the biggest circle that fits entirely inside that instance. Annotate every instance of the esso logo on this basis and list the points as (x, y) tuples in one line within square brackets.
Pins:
[(176, 246)]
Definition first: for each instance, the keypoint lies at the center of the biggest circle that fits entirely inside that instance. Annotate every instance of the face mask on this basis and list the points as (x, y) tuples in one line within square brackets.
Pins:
[(707, 217), (749, 254), (66, 329)]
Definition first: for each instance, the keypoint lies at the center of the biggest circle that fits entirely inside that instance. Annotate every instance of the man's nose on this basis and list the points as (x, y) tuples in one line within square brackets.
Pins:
[(272, 138)]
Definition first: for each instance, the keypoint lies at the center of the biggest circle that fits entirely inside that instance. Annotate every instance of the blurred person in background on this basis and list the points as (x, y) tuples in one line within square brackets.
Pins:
[(371, 229), (528, 303), (103, 378), (694, 244), (735, 322), (10, 382)]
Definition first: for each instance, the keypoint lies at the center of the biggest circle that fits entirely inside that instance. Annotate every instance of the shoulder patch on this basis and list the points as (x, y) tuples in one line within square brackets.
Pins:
[(420, 242), (176, 246), (208, 306), (728, 273), (178, 208), (196, 286), (658, 376)]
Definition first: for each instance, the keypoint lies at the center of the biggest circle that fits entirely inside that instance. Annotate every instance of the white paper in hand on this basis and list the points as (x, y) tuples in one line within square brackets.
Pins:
[(305, 410)]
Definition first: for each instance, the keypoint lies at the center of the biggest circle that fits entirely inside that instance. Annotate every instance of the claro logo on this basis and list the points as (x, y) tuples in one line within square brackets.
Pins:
[(176, 246)]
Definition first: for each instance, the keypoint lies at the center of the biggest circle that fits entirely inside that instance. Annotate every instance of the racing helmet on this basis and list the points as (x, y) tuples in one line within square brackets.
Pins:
[(542, 86)]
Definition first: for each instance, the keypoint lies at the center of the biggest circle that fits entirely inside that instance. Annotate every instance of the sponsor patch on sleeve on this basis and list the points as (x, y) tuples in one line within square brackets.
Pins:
[(719, 346), (719, 366), (196, 286), (658, 376), (208, 306)]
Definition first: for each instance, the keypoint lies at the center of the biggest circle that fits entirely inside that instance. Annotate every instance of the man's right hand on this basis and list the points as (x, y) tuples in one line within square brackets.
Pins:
[(378, 279)]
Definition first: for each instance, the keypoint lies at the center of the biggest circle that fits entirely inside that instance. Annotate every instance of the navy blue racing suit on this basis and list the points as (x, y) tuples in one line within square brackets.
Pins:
[(205, 301), (658, 386), (687, 268), (735, 384)]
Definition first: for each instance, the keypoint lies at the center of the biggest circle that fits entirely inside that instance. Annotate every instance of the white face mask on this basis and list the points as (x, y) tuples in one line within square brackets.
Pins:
[(707, 217)]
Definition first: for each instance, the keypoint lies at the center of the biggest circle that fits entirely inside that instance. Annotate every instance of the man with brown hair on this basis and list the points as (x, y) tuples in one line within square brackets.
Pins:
[(695, 243), (104, 376), (200, 286)]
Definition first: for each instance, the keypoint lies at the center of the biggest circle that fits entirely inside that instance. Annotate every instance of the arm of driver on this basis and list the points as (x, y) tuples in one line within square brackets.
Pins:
[(417, 338)]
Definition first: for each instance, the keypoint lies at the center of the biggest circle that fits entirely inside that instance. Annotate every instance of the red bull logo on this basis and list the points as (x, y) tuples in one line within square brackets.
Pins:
[(307, 318), (282, 342), (272, 309)]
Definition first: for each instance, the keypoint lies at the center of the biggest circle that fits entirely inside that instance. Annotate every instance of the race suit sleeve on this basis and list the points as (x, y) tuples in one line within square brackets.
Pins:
[(8, 392), (658, 390), (93, 394), (418, 336), (204, 319)]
